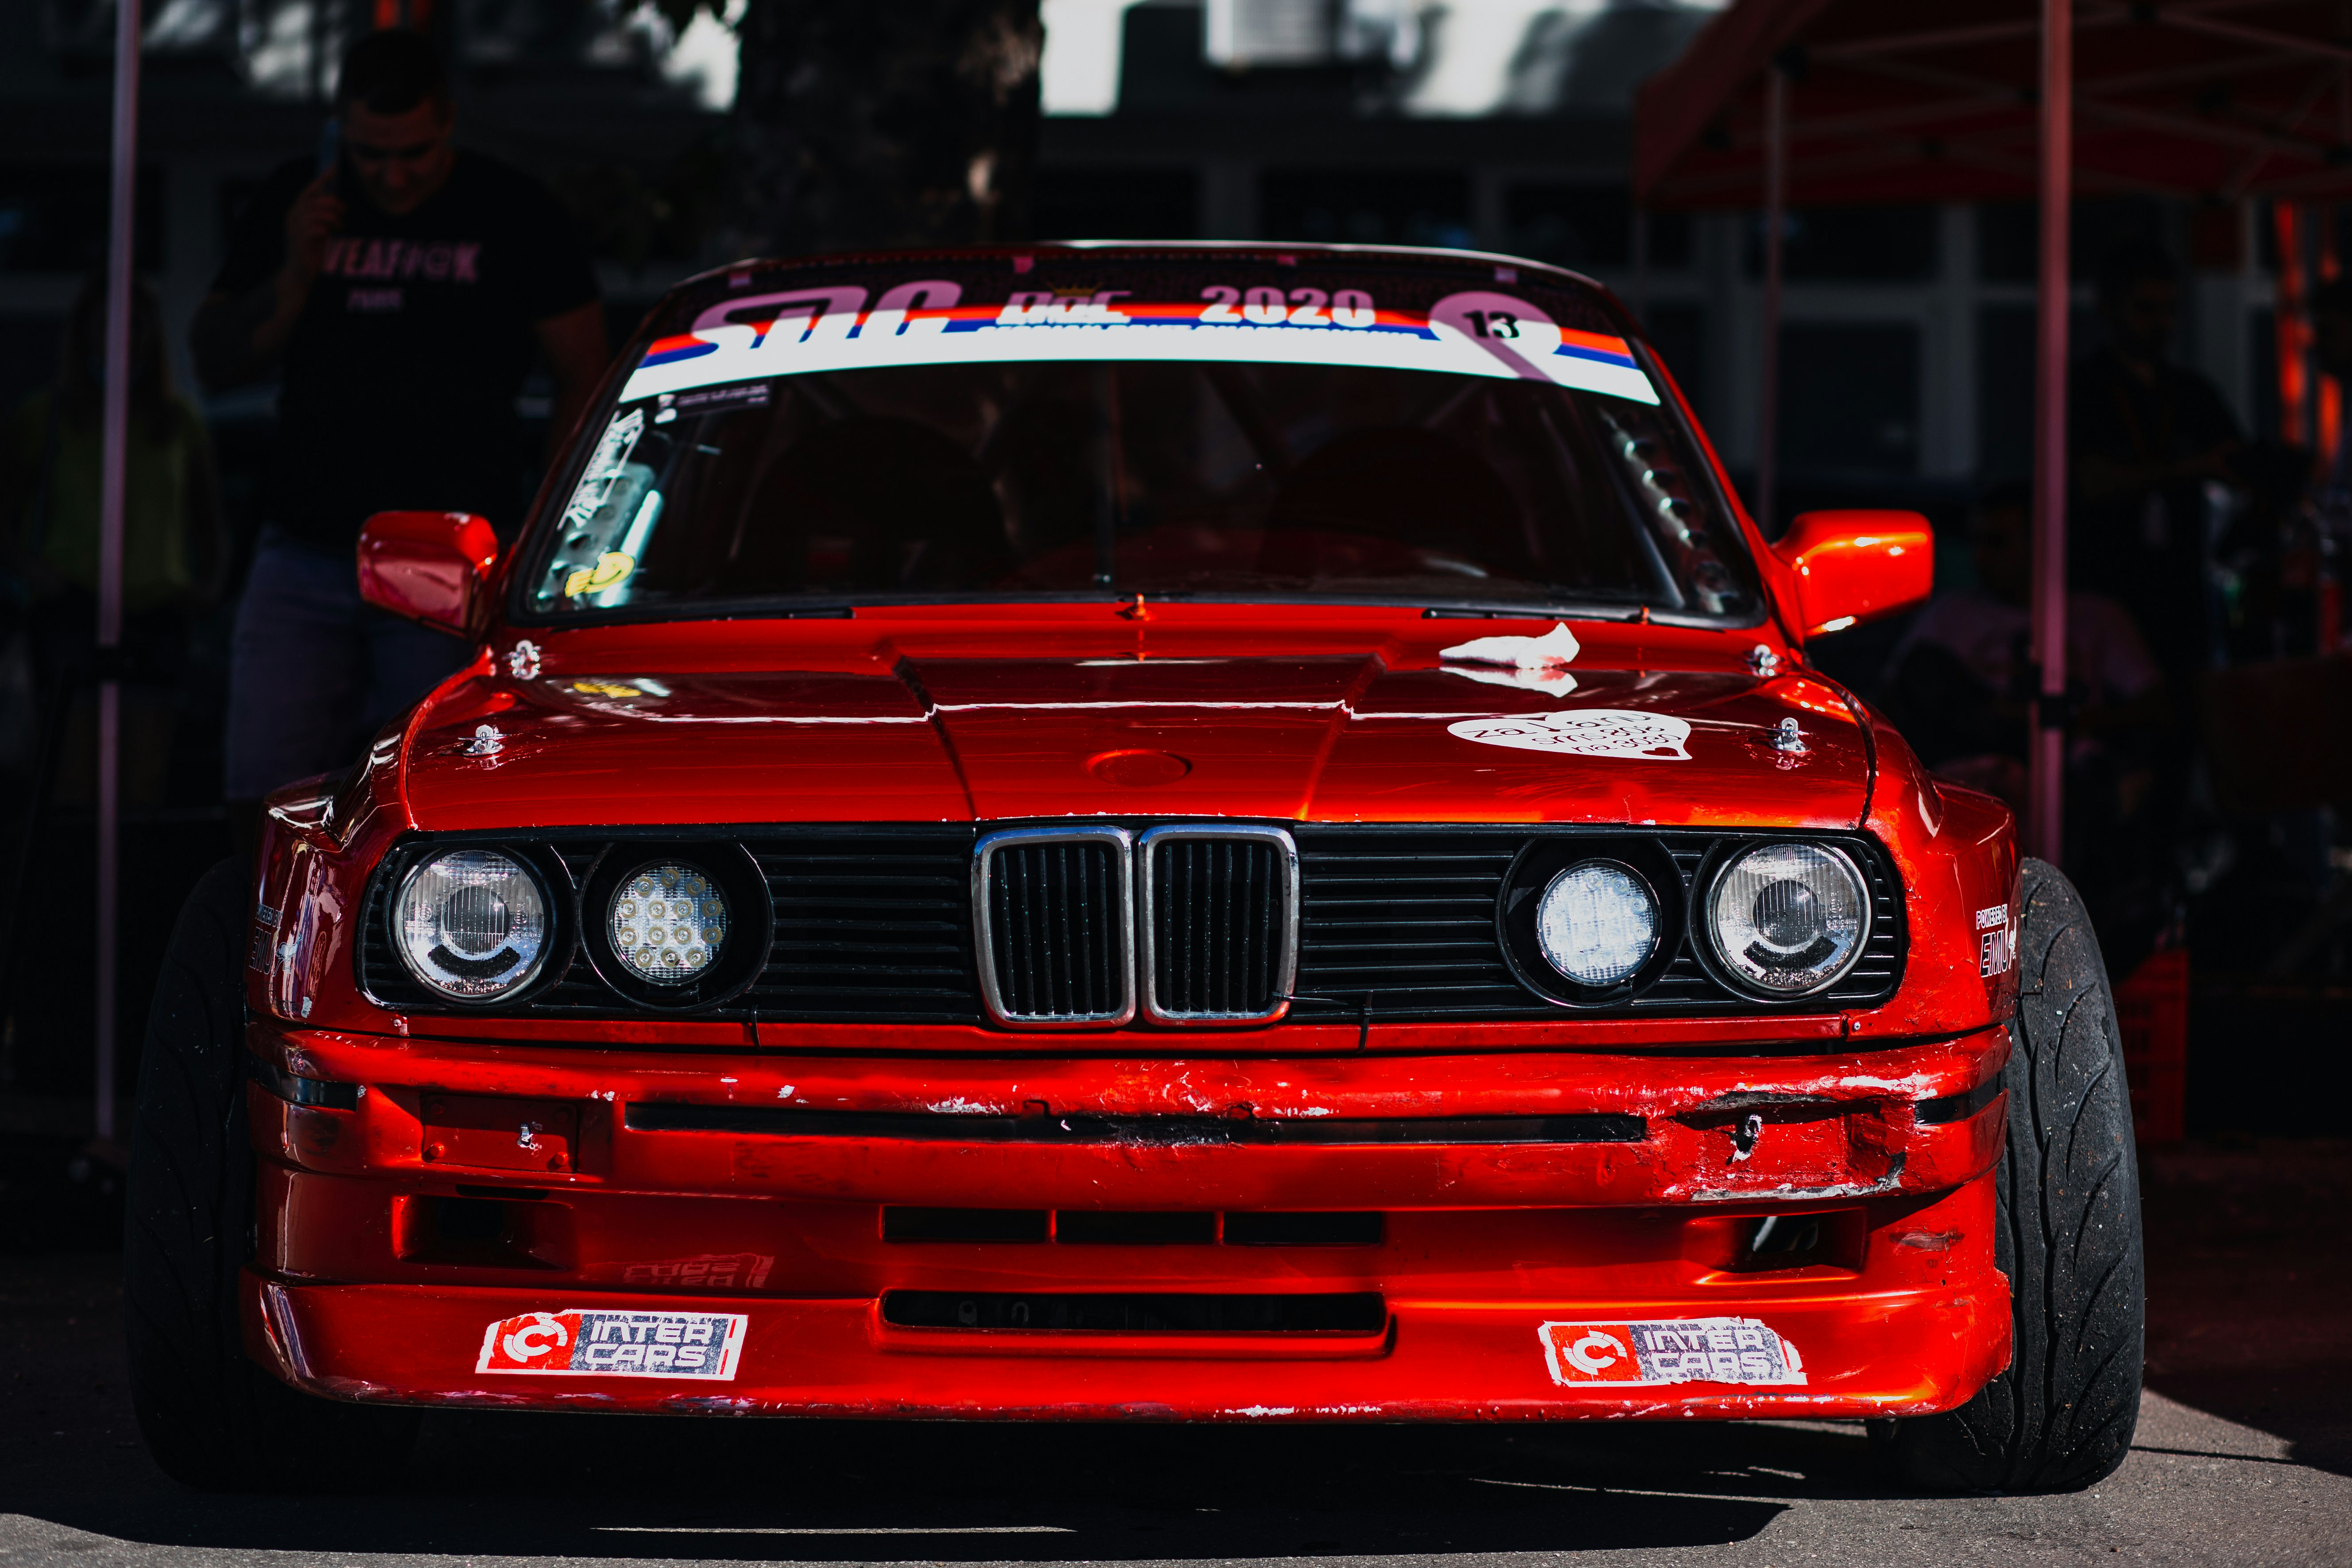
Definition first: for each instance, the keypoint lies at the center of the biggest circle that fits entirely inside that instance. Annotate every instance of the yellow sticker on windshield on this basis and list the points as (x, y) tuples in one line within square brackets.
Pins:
[(611, 569)]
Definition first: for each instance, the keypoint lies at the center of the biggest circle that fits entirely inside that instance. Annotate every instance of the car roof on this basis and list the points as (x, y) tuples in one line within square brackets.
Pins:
[(1144, 247)]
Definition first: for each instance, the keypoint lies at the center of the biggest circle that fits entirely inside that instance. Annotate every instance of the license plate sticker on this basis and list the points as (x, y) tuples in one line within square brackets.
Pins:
[(1692, 1350), (700, 1346)]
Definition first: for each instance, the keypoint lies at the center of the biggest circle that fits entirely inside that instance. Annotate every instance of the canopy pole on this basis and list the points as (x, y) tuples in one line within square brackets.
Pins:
[(113, 474), (1776, 209), (2046, 832)]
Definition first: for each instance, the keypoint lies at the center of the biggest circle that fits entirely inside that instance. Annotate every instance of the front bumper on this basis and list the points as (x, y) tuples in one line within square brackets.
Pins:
[(574, 1198)]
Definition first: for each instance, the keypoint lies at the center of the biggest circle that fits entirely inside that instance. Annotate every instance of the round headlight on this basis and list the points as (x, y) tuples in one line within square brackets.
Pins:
[(1788, 919), (667, 923), (1597, 923), (471, 923)]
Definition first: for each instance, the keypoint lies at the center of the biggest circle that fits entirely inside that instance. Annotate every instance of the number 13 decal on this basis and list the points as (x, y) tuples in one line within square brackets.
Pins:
[(1491, 323)]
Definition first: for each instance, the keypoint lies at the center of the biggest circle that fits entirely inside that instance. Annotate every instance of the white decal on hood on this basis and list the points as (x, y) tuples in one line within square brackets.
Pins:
[(1534, 664), (1555, 646), (1585, 732)]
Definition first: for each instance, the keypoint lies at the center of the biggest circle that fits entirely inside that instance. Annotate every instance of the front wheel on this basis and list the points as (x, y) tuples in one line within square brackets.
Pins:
[(2066, 1216), (211, 1418)]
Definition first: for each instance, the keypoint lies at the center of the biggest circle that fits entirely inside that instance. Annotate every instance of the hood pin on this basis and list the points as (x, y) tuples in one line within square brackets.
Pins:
[(523, 659), (1763, 660), (1789, 737), (485, 742)]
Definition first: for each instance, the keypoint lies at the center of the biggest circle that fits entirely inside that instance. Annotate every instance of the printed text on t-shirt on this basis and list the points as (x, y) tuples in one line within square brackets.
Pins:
[(436, 260)]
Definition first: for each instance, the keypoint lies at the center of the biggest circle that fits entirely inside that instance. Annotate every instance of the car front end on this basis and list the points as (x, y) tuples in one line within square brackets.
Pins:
[(1124, 994)]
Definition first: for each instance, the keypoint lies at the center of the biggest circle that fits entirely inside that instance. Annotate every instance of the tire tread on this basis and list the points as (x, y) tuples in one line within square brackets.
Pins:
[(2067, 1236), (211, 1418)]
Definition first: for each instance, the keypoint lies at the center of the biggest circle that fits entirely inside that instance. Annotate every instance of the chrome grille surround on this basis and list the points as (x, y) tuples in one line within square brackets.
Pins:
[(1079, 940), (1277, 952)]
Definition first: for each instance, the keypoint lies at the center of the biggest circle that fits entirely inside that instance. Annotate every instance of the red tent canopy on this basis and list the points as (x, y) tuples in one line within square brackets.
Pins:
[(1926, 100), (1828, 102)]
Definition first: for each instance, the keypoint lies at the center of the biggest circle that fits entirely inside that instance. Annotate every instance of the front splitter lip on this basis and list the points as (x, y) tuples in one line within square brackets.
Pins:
[(1881, 1353)]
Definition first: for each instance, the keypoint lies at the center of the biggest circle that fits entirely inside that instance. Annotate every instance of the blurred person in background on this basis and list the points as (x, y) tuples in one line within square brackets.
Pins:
[(2149, 439), (175, 549), (1962, 687), (401, 289)]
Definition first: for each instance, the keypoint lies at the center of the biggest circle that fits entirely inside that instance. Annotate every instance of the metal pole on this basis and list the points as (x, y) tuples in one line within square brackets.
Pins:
[(115, 455), (1776, 211), (2047, 801)]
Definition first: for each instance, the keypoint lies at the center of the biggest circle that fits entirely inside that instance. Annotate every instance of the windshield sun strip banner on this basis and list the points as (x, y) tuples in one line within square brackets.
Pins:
[(817, 331)]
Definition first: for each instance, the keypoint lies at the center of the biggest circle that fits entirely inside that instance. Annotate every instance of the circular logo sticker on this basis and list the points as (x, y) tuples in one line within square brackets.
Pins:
[(1508, 327), (1585, 732)]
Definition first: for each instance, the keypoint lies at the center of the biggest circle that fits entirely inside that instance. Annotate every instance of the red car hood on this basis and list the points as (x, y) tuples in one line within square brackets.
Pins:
[(1322, 737)]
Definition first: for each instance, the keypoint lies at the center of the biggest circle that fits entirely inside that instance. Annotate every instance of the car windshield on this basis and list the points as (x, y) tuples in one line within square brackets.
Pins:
[(1082, 425)]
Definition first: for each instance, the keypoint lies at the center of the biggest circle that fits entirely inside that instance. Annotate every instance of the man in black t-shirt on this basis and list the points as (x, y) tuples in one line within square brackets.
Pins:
[(403, 293)]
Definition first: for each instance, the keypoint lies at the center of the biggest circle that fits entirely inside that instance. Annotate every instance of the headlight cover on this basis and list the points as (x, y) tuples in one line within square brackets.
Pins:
[(667, 923), (471, 924), (1596, 923), (1787, 920)]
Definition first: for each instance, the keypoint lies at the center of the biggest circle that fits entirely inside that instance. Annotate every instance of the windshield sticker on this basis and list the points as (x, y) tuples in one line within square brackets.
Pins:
[(1585, 732), (704, 1345), (710, 400), (604, 465), (1696, 1350), (815, 331), (612, 569)]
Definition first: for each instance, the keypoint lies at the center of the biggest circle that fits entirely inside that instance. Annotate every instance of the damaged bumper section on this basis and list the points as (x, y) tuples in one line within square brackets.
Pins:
[(1529, 1234)]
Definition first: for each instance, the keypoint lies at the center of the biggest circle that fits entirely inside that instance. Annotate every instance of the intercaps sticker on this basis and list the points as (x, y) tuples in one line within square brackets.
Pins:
[(1694, 1350), (703, 1345)]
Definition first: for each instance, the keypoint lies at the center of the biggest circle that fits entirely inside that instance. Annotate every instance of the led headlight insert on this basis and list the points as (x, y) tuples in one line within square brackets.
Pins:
[(1789, 919), (471, 924), (667, 923), (1597, 923)]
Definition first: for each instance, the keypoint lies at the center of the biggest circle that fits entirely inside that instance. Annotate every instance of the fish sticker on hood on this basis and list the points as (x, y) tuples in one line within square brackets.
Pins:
[(1585, 732), (1533, 664), (1555, 646)]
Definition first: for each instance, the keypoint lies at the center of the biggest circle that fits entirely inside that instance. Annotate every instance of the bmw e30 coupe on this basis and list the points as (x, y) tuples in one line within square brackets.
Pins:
[(1164, 832)]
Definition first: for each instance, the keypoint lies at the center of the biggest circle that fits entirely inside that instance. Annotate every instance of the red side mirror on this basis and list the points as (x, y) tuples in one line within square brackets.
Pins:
[(428, 567), (1855, 566)]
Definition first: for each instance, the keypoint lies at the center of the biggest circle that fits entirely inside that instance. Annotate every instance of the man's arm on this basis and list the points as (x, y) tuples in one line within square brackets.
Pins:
[(235, 339), (574, 345)]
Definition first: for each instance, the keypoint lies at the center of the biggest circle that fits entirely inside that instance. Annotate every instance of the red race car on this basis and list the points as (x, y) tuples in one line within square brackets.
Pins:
[(1137, 832)]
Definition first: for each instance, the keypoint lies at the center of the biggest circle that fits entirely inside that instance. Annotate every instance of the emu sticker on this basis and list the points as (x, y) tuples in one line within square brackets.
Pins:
[(1585, 732), (700, 1346), (1696, 1350)]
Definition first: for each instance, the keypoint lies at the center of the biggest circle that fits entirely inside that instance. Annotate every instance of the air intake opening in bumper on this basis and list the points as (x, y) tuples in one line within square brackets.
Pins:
[(1358, 1313)]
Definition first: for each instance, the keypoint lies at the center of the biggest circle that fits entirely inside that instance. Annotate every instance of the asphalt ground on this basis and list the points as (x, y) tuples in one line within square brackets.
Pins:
[(2243, 1457)]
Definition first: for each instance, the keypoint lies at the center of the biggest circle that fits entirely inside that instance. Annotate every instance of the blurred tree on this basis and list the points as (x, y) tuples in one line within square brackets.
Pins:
[(868, 122)]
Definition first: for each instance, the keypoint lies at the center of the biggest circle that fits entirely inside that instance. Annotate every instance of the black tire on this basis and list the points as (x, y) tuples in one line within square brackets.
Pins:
[(2067, 1236), (211, 1418)]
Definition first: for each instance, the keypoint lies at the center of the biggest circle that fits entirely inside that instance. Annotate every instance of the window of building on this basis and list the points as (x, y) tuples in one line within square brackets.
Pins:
[(1678, 331), (1855, 245), (2009, 236), (2005, 392), (53, 217), (1117, 203), (1849, 398), (1364, 207), (1570, 225)]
